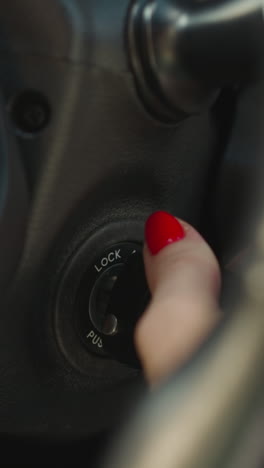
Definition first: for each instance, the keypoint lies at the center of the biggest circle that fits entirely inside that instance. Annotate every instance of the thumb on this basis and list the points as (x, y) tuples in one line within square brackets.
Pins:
[(184, 279)]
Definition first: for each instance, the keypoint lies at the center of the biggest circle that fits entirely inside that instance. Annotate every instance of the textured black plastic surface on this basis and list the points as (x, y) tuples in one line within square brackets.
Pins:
[(102, 160)]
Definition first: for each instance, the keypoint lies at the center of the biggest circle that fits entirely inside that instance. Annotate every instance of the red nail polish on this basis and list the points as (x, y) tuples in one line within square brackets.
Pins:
[(161, 230)]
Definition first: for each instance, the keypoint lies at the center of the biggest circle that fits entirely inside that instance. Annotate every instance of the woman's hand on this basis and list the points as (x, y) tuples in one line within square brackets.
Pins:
[(184, 279)]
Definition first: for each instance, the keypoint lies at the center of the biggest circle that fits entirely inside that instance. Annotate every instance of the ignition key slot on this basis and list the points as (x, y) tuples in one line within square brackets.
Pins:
[(94, 323), (99, 300)]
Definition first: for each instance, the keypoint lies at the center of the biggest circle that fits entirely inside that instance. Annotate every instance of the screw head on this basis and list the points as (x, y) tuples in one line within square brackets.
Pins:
[(30, 112)]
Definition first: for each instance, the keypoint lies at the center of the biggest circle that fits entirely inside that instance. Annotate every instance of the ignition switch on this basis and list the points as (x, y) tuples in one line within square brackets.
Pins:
[(112, 296)]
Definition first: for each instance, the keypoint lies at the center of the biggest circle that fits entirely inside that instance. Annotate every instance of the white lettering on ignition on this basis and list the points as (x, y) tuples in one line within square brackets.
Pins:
[(95, 339), (117, 254), (104, 261), (110, 258)]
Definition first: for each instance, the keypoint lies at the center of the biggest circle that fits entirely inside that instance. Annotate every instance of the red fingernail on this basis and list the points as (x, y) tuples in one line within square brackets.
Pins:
[(162, 229)]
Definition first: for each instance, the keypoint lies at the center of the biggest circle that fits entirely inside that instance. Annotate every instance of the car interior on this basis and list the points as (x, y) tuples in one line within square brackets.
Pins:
[(109, 111)]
